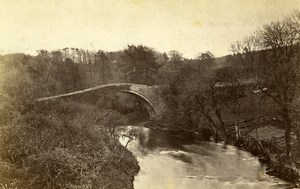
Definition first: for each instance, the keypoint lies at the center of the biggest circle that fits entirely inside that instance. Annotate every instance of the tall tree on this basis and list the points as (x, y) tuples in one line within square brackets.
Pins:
[(176, 59), (281, 68), (205, 61), (197, 101), (140, 64), (245, 53), (245, 56), (72, 73), (102, 66), (232, 91)]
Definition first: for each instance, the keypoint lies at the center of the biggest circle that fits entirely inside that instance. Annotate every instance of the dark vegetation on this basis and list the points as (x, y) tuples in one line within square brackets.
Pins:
[(65, 145), (57, 144), (239, 98)]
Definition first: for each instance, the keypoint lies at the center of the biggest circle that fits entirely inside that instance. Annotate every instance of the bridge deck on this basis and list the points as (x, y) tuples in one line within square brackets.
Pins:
[(87, 90)]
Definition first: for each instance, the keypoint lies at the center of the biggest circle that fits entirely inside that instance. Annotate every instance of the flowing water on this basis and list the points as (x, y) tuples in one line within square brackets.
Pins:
[(173, 160)]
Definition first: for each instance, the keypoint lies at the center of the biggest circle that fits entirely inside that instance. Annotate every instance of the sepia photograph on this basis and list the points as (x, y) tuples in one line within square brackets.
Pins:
[(150, 94)]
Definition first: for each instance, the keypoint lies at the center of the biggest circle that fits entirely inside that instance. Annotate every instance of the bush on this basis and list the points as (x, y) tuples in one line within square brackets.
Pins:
[(63, 146)]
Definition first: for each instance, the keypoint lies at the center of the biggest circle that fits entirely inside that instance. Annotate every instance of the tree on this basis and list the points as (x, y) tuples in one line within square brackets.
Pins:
[(205, 61), (233, 89), (140, 64), (245, 57), (205, 56), (197, 103), (112, 120), (245, 52), (165, 57), (162, 58), (176, 59), (102, 66), (72, 74), (209, 103), (280, 78)]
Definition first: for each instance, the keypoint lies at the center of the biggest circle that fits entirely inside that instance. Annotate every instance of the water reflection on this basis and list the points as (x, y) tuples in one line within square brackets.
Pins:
[(176, 160)]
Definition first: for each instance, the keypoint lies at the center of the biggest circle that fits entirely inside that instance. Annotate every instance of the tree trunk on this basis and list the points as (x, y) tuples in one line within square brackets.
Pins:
[(223, 126), (288, 137), (91, 76), (258, 140), (225, 135), (297, 131), (216, 136), (298, 137), (103, 73), (288, 144)]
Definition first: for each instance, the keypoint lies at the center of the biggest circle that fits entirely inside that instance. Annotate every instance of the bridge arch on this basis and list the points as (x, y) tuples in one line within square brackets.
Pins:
[(147, 104)]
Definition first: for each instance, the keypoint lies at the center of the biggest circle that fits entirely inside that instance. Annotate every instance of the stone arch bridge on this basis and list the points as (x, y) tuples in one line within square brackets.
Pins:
[(150, 96)]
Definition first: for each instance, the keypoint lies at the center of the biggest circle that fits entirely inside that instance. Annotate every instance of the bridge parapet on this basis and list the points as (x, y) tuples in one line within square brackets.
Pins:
[(151, 95)]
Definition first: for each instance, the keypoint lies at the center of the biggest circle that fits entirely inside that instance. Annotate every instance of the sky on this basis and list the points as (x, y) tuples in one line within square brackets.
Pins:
[(188, 26)]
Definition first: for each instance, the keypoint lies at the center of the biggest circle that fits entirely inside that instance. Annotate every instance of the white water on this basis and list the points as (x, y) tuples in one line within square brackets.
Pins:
[(175, 161)]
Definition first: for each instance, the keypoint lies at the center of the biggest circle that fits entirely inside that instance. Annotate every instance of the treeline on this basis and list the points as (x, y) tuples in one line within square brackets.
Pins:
[(136, 64)]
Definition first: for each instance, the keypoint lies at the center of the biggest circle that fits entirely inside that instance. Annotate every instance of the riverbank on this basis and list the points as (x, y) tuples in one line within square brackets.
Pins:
[(267, 143), (263, 140)]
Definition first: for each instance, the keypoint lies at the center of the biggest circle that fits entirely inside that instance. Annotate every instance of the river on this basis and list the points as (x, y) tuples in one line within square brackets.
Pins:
[(173, 160)]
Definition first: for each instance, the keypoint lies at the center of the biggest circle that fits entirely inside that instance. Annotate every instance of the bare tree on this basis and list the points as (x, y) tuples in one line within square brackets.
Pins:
[(232, 92), (280, 78), (201, 98), (245, 57), (245, 53)]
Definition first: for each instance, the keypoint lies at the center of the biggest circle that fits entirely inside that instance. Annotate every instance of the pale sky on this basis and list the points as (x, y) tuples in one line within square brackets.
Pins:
[(189, 26)]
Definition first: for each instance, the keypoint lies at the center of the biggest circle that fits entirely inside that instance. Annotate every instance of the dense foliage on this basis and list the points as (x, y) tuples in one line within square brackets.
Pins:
[(60, 144), (140, 65)]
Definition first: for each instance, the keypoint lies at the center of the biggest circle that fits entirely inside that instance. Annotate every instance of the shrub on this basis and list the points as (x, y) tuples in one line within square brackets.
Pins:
[(64, 147)]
